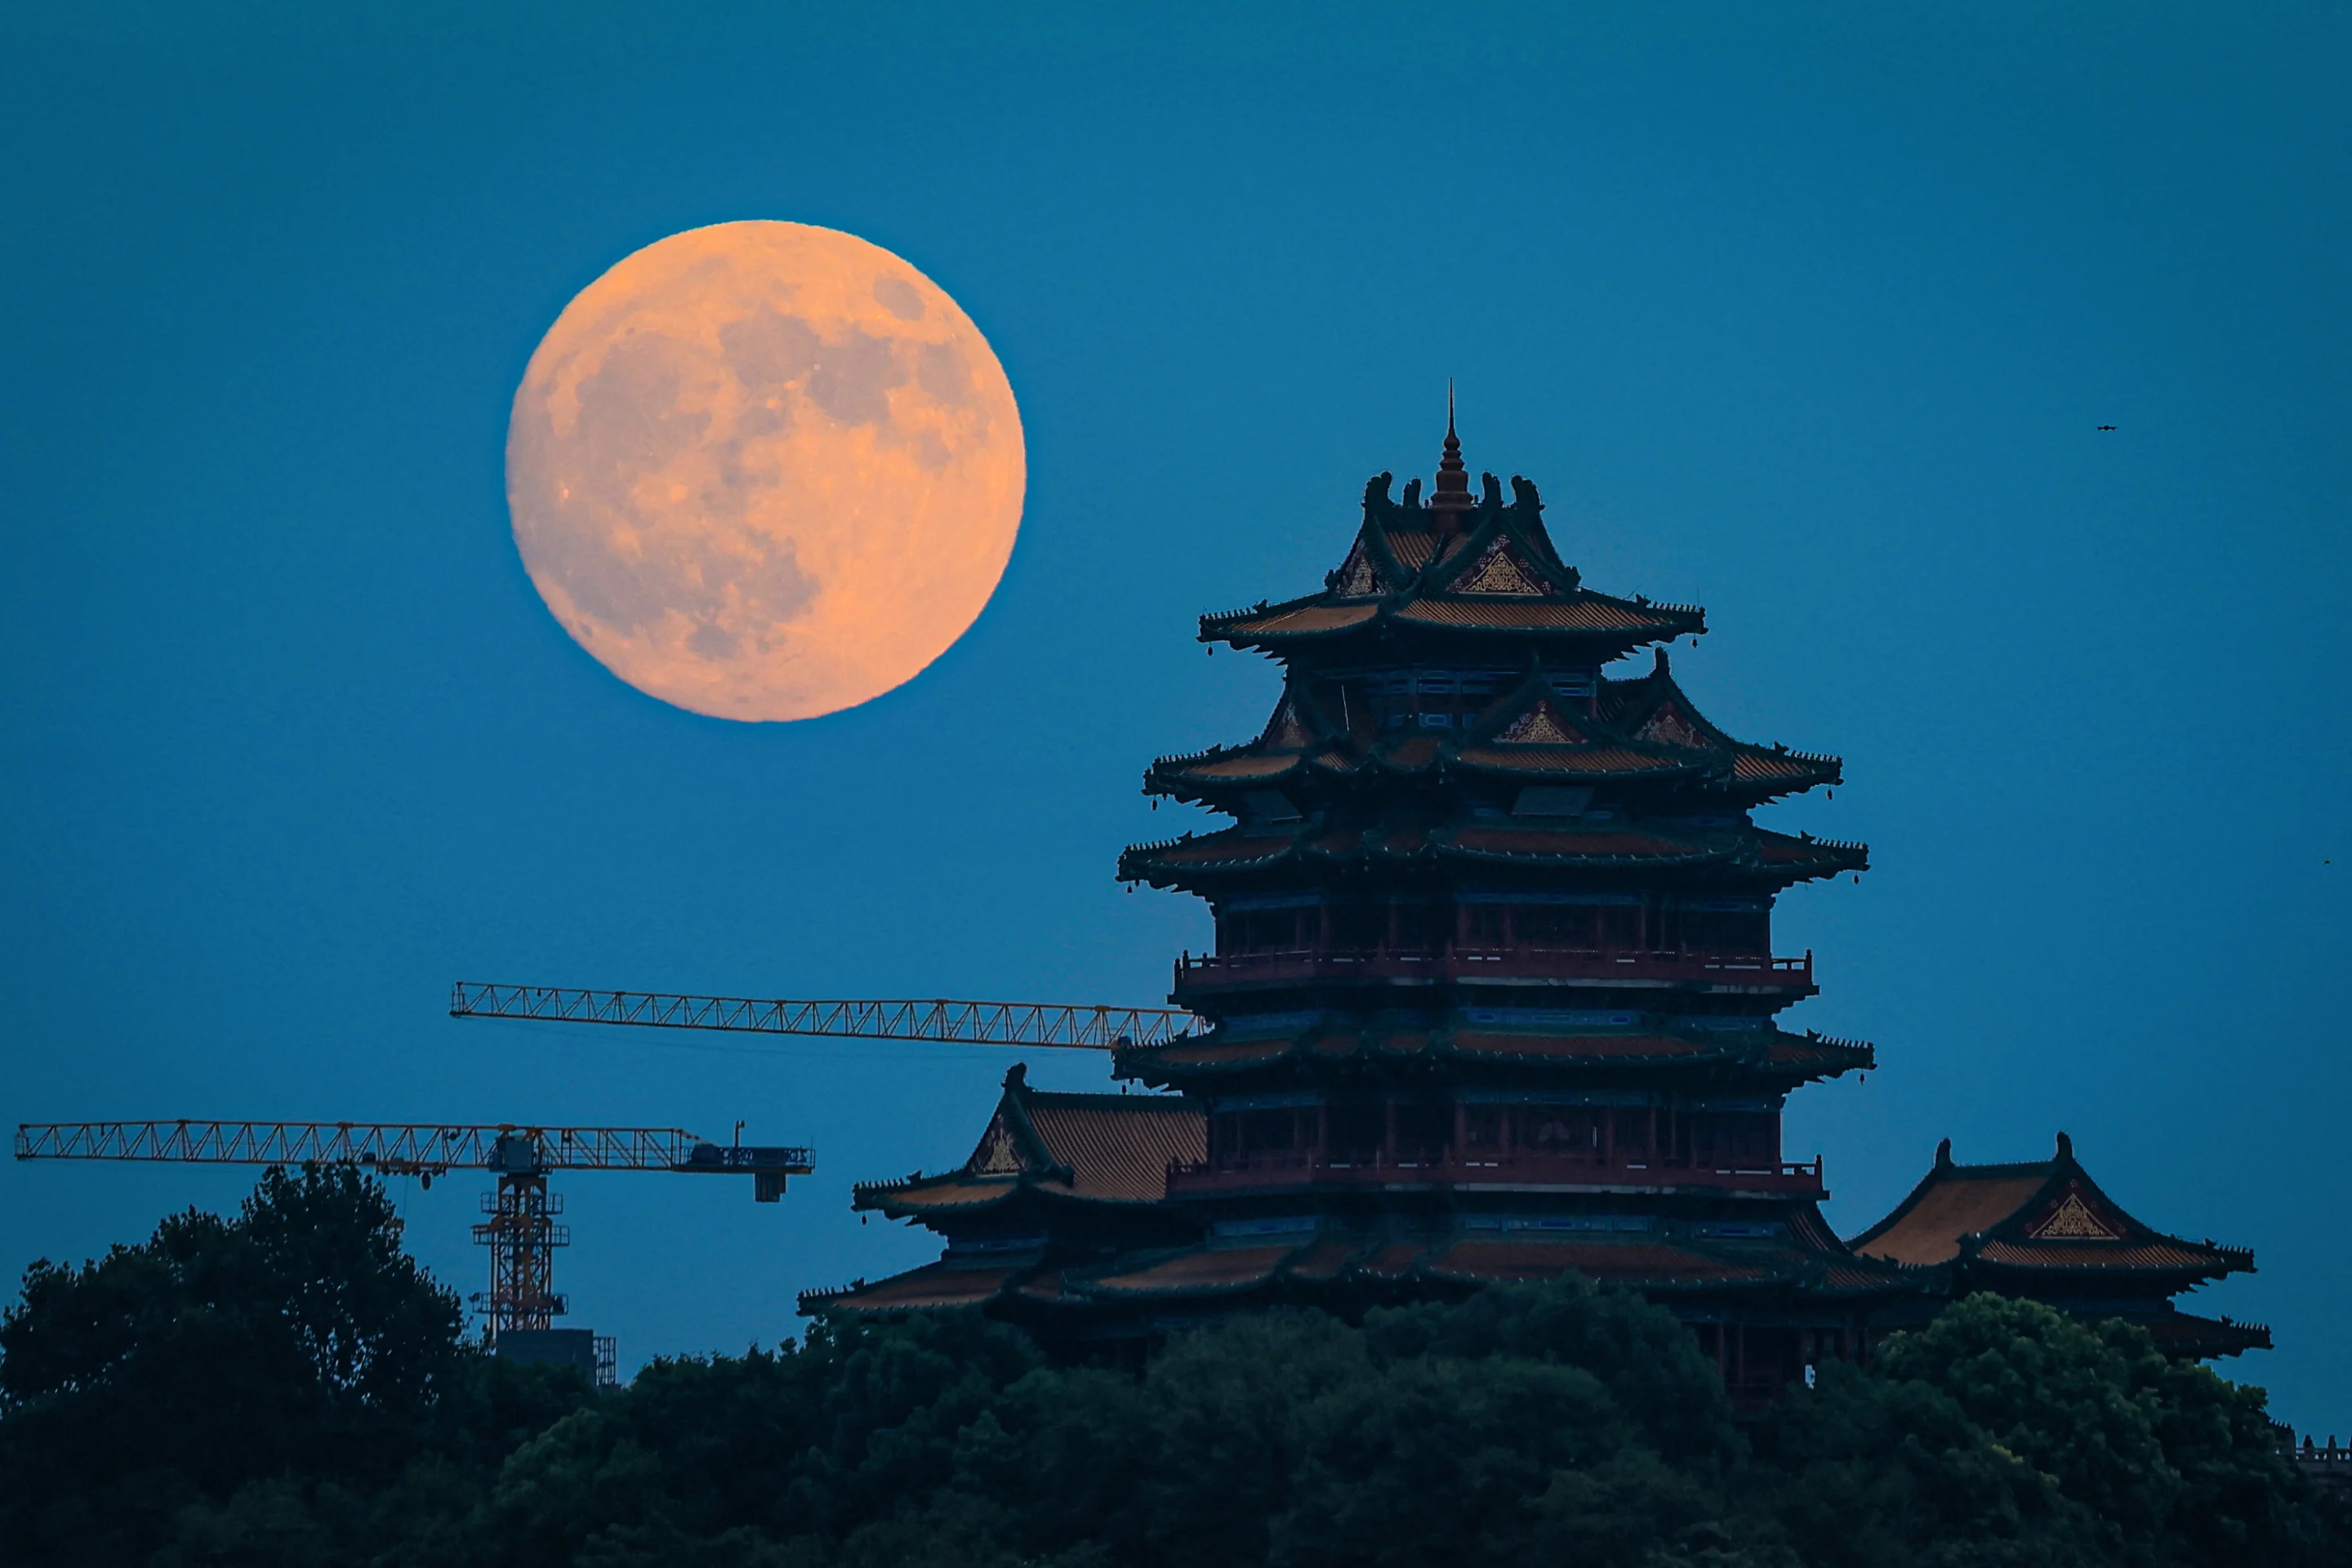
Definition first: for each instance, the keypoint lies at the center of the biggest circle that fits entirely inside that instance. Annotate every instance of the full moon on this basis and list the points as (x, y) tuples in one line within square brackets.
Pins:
[(764, 470)]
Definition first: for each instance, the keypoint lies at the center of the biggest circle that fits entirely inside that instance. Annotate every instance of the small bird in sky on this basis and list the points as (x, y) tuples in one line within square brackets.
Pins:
[(2107, 427)]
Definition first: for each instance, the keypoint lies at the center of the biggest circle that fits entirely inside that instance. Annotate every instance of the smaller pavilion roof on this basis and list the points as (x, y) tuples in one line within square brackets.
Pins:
[(2042, 1219), (1088, 1148)]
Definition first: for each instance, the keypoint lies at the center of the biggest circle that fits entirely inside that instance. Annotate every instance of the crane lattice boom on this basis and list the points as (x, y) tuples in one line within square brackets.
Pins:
[(402, 1147), (1073, 1026), (520, 1233)]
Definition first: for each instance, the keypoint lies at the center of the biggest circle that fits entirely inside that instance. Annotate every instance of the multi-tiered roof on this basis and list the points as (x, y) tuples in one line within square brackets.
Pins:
[(1446, 730)]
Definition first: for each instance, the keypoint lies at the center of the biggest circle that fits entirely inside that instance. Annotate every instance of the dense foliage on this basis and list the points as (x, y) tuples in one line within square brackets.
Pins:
[(286, 1387)]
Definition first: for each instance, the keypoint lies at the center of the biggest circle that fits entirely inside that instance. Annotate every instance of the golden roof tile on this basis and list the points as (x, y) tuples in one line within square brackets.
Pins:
[(1118, 1147), (2162, 1253), (933, 1286), (1245, 765), (1307, 619), (1202, 1268), (1589, 845), (1931, 1232), (1531, 615), (1554, 759)]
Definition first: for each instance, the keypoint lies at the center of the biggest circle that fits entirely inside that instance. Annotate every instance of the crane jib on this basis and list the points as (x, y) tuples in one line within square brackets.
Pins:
[(408, 1148), (1065, 1025)]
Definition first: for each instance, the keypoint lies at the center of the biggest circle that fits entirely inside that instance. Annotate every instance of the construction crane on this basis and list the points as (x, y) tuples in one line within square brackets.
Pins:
[(521, 1232), (1064, 1025)]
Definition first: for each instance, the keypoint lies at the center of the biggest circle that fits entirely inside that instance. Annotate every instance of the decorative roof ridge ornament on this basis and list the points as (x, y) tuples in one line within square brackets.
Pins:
[(1451, 495)]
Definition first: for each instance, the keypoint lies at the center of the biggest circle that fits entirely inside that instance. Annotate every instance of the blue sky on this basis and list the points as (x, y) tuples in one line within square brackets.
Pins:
[(1806, 313)]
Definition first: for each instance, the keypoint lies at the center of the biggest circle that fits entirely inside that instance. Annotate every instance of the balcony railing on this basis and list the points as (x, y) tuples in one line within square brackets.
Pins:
[(1603, 964), (1306, 1167)]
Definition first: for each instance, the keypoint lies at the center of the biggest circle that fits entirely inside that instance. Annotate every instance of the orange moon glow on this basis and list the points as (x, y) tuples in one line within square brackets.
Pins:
[(763, 471)]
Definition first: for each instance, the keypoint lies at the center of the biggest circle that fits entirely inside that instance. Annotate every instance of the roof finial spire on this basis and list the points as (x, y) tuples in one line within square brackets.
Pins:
[(1451, 492)]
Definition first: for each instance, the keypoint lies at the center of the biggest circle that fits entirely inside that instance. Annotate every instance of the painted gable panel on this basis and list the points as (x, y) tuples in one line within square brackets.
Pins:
[(1541, 726), (2075, 1220), (1286, 730), (1500, 571), (1671, 726), (999, 1153)]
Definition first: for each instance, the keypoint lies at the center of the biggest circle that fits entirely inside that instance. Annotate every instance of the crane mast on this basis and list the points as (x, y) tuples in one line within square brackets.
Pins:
[(521, 1232)]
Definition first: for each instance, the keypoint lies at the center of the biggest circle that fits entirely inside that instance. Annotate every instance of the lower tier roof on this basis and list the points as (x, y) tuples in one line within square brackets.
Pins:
[(1212, 1271)]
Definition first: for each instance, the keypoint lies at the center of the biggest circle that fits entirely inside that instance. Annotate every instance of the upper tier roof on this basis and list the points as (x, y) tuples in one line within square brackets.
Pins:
[(1479, 570), (1644, 730), (2042, 1219)]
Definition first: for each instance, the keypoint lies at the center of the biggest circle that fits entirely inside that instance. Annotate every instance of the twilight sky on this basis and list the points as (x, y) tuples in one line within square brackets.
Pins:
[(1806, 313)]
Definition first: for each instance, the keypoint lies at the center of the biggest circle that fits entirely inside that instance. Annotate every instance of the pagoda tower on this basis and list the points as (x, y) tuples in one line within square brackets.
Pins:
[(1493, 992)]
